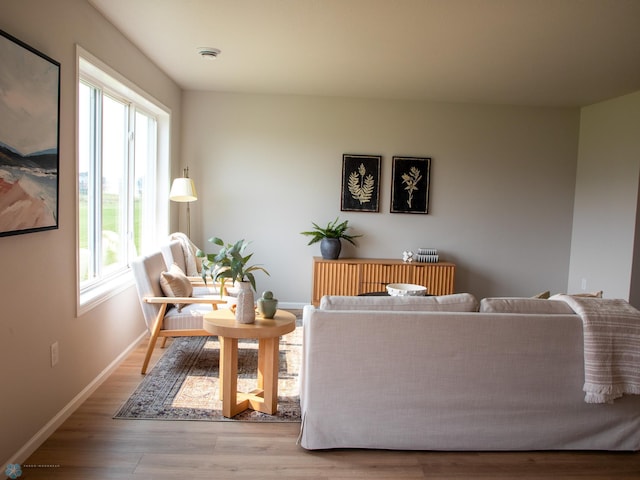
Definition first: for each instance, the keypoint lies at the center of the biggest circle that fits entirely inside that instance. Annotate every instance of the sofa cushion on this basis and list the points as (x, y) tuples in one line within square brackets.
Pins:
[(524, 305), (174, 283), (597, 294), (458, 302)]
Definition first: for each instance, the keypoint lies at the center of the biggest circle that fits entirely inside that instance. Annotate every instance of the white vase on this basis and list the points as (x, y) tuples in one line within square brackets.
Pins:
[(245, 308)]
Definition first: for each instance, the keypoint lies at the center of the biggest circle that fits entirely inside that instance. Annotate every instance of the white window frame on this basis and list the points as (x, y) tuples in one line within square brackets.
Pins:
[(95, 72)]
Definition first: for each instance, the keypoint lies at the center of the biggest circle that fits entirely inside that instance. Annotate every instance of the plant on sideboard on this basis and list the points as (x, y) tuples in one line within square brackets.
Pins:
[(330, 237)]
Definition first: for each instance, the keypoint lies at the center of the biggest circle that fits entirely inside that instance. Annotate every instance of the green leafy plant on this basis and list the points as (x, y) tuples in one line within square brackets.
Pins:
[(230, 263), (334, 229)]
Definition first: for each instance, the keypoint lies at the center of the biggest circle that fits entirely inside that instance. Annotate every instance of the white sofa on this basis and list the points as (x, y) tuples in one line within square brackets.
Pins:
[(434, 373)]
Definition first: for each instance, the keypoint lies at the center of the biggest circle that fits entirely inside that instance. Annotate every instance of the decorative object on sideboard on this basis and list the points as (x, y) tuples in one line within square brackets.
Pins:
[(29, 138), (183, 190), (330, 237), (267, 305), (410, 185), (231, 263), (330, 248), (360, 183), (427, 255), (406, 290), (407, 256)]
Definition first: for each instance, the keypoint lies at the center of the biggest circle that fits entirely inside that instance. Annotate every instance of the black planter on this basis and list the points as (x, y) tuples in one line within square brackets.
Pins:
[(330, 248)]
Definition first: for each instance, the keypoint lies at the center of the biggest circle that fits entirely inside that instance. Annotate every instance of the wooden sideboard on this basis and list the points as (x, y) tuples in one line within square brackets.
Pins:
[(354, 276)]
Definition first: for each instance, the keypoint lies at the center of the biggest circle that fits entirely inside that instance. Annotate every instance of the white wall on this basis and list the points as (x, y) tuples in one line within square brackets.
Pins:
[(502, 184), (606, 205), (38, 294)]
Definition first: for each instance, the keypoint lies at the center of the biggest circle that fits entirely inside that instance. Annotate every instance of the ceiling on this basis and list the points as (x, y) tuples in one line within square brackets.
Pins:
[(519, 52)]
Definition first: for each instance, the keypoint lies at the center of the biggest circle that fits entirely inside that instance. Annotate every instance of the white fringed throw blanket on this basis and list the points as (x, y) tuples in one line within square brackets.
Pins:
[(192, 263), (611, 347)]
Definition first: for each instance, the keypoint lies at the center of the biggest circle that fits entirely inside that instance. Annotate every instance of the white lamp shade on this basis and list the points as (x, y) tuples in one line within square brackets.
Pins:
[(183, 190)]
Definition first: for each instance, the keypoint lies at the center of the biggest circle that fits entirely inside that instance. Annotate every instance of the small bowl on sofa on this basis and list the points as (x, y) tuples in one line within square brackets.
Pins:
[(405, 289)]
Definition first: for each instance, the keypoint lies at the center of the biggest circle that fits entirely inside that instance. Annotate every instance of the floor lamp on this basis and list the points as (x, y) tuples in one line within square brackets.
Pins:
[(184, 190)]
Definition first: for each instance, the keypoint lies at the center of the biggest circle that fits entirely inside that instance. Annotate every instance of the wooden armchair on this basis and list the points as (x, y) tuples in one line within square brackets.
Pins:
[(168, 316)]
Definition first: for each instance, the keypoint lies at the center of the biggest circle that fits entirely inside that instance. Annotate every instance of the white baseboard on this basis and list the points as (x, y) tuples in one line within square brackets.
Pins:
[(52, 425)]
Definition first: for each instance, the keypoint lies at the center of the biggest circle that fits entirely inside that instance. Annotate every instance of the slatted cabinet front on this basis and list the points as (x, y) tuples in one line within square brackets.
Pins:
[(354, 276)]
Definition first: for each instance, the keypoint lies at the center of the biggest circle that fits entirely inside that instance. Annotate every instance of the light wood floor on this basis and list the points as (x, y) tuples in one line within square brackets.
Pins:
[(91, 445)]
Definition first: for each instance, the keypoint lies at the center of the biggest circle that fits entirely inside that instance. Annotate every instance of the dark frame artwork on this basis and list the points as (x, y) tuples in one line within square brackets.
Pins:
[(29, 138), (360, 183), (410, 185)]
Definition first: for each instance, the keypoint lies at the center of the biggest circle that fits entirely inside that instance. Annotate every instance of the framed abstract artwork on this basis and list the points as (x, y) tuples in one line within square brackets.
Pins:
[(29, 138), (410, 185), (360, 183)]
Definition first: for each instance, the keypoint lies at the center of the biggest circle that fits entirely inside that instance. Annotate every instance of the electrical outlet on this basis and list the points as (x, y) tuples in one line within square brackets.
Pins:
[(584, 285), (54, 354)]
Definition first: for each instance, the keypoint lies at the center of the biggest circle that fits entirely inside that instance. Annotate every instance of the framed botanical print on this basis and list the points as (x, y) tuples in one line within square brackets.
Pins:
[(410, 185), (29, 138), (360, 183)]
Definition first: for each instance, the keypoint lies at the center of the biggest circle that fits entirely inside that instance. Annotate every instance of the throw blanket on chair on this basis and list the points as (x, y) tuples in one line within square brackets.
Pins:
[(611, 347), (192, 263)]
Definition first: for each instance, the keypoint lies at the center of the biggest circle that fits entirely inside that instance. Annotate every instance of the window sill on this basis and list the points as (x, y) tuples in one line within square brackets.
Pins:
[(97, 294)]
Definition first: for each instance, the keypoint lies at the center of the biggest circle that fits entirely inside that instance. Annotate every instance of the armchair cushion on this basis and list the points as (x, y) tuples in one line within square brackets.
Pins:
[(188, 318), (174, 283)]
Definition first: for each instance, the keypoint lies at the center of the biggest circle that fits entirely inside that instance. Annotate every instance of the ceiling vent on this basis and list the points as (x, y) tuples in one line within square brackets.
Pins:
[(209, 52)]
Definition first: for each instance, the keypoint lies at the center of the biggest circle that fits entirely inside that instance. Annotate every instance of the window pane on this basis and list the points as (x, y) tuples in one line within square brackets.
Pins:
[(86, 142), (144, 188), (114, 191)]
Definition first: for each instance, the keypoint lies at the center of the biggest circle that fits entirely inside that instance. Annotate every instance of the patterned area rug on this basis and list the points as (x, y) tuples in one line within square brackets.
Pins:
[(183, 384)]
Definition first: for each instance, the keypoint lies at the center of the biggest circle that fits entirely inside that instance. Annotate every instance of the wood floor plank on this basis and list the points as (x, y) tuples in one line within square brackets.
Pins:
[(91, 445), (522, 465), (247, 465)]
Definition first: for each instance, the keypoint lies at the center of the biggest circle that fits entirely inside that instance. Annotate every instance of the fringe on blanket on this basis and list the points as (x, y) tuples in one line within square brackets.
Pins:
[(599, 394), (611, 347)]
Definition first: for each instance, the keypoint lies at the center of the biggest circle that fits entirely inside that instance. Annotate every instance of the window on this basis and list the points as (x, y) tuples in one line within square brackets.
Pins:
[(120, 137)]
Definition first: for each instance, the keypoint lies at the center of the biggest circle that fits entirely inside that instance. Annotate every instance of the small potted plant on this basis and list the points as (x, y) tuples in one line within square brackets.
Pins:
[(231, 263), (330, 237)]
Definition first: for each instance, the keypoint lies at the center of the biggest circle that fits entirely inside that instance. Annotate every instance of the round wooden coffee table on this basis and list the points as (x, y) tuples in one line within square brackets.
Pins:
[(222, 323)]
